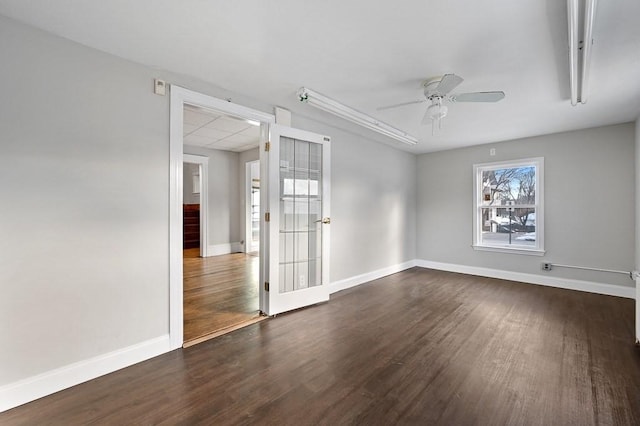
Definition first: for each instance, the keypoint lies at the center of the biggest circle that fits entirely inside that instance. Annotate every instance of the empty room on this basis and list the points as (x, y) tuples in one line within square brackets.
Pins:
[(303, 213)]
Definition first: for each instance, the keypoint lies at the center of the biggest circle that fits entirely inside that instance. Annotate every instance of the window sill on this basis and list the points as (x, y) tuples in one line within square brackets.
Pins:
[(510, 250)]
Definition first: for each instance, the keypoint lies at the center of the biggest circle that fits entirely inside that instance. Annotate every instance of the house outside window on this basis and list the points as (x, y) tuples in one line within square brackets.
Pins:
[(508, 206)]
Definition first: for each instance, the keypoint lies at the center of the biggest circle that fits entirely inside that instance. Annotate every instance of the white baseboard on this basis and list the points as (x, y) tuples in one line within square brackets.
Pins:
[(226, 248), (32, 388), (566, 283), (369, 276)]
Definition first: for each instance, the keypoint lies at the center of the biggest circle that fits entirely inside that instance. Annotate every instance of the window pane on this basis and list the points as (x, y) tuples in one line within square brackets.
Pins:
[(515, 185), (502, 227)]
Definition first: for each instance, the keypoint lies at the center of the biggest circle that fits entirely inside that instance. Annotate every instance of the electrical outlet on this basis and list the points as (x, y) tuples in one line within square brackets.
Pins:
[(303, 281), (492, 152), (545, 266)]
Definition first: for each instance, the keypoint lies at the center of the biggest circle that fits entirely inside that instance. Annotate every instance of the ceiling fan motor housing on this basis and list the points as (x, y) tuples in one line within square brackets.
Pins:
[(430, 86)]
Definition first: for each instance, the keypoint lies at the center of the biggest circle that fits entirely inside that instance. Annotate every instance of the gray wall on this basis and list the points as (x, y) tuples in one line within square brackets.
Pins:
[(84, 218), (224, 194), (84, 166), (589, 203), (188, 171)]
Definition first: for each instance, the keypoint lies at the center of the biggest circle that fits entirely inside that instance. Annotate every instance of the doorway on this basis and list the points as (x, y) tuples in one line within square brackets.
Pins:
[(273, 297), (195, 203), (179, 98), (220, 264)]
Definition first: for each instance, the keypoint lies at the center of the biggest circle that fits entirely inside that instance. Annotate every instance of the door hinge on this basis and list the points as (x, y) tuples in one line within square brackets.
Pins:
[(267, 217), (266, 286), (267, 146)]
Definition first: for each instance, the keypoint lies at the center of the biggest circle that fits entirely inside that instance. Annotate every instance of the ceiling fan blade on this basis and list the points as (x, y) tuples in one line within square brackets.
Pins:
[(402, 104), (426, 119), (448, 83), (478, 97)]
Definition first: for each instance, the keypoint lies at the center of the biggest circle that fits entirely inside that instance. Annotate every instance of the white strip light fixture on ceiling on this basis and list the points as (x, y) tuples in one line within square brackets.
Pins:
[(334, 107), (580, 48)]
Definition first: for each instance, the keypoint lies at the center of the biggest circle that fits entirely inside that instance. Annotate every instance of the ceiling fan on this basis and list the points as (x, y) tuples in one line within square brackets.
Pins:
[(436, 91)]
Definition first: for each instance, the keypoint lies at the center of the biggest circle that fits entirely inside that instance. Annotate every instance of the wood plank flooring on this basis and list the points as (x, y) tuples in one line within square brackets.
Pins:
[(219, 292), (420, 347)]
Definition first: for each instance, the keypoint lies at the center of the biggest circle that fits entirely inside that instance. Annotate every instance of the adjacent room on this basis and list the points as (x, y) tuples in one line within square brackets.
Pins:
[(320, 212), (221, 229)]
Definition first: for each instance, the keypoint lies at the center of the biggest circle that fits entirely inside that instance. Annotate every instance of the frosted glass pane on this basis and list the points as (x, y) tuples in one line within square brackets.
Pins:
[(300, 214), (287, 222), (313, 245), (289, 277), (301, 159), (289, 255), (302, 275), (283, 278), (314, 273), (302, 246), (302, 217)]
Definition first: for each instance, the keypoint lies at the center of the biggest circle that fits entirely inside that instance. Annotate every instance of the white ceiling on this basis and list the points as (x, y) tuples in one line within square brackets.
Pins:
[(216, 131), (370, 53)]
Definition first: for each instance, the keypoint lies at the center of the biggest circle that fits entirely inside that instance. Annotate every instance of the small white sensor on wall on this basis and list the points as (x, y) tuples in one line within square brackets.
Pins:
[(159, 87)]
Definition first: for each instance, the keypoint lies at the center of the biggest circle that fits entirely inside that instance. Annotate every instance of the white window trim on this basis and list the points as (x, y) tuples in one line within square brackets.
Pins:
[(538, 250)]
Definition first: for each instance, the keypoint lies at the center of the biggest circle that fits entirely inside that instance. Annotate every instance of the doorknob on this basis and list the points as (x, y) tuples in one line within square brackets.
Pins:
[(325, 220)]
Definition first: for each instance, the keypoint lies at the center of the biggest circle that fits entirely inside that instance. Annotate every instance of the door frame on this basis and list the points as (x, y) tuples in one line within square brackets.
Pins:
[(248, 231), (203, 162), (180, 96), (637, 281)]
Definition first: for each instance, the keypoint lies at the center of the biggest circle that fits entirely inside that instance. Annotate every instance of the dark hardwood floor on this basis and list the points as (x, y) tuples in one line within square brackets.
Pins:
[(219, 292), (418, 347)]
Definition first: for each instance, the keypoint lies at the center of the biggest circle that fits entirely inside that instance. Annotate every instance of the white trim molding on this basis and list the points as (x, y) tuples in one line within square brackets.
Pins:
[(32, 388), (637, 282), (203, 162), (566, 283), (225, 248), (369, 276), (179, 97), (509, 250)]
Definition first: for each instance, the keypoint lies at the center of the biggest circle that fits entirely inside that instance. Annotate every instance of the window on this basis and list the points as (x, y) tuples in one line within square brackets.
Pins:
[(508, 206)]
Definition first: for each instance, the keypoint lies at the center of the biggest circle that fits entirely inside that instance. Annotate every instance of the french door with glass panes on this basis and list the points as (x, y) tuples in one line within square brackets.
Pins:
[(297, 219)]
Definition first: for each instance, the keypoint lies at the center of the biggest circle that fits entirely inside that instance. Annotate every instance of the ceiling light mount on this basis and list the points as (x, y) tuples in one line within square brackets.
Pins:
[(431, 84), (336, 108)]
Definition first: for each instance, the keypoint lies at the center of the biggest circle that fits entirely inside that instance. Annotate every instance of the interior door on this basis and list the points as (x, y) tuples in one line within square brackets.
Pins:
[(298, 198)]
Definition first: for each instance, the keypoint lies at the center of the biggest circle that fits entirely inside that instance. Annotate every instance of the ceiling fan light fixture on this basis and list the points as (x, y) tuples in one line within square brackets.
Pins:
[(437, 111)]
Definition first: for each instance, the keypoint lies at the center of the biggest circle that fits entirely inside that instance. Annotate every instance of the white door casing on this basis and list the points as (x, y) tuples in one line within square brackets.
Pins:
[(637, 309), (179, 97), (249, 167), (203, 162)]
